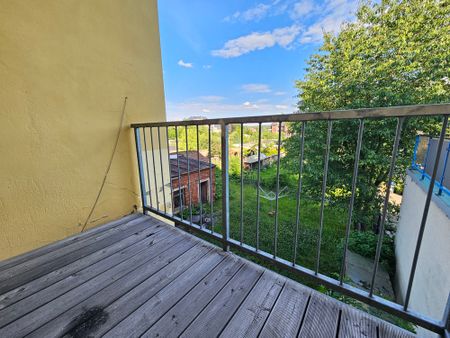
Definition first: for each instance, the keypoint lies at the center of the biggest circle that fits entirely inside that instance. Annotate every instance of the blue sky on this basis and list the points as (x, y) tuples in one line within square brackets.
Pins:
[(224, 58)]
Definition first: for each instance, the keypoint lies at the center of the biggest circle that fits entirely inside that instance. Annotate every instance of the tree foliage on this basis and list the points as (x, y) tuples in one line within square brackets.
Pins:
[(395, 53)]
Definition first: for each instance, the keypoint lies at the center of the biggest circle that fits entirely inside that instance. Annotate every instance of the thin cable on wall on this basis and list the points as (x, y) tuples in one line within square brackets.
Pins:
[(109, 165)]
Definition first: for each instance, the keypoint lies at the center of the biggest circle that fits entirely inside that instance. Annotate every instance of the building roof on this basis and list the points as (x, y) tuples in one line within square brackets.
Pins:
[(254, 158), (183, 160)]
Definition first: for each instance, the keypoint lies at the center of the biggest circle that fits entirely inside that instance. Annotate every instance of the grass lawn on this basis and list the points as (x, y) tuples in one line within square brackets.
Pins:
[(333, 231)]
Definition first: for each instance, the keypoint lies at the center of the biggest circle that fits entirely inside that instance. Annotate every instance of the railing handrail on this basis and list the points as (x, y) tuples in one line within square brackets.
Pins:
[(366, 113)]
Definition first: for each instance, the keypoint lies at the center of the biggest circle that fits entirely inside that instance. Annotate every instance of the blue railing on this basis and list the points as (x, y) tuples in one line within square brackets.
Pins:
[(425, 155)]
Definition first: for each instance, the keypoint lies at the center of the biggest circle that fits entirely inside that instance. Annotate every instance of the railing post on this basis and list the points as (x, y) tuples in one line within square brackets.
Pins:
[(225, 187), (352, 199), (170, 173), (441, 181), (137, 138), (211, 190), (398, 133)]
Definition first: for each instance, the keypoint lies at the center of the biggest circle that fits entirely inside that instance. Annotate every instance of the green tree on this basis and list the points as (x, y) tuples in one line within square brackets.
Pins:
[(395, 53)]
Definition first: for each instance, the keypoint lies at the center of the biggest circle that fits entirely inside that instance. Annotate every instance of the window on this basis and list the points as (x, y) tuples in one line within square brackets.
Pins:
[(176, 198)]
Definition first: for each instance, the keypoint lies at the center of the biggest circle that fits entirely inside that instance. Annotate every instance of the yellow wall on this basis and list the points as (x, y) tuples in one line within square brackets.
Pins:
[(65, 68)]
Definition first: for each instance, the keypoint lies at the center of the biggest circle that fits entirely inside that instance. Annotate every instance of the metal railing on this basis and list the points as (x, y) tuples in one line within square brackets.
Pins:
[(150, 192)]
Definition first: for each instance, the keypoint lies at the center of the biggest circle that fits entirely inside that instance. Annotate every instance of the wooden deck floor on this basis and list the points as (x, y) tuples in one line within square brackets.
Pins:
[(138, 276)]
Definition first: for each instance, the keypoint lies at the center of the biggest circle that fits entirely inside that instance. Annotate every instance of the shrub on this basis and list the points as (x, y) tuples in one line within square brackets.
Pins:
[(364, 243)]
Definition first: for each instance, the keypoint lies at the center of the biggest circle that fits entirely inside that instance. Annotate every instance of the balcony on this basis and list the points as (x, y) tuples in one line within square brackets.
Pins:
[(140, 276)]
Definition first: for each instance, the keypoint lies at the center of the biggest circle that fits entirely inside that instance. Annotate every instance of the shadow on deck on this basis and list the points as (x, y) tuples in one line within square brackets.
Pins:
[(138, 276)]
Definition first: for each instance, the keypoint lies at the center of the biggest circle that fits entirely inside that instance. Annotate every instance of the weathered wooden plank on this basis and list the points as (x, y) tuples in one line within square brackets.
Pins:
[(149, 260), (37, 299), (175, 321), (57, 262), (159, 271), (355, 324), (120, 290), (322, 317), (136, 323), (44, 281), (286, 315), (67, 249), (252, 314), (214, 317), (387, 330), (10, 262)]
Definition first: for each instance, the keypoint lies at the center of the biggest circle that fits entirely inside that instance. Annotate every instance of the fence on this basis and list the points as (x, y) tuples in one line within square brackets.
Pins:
[(148, 171)]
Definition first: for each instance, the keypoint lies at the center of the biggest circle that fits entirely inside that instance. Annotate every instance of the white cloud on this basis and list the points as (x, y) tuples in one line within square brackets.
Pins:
[(249, 105), (195, 107), (211, 98), (181, 63), (329, 15), (279, 93), (283, 37), (334, 14), (207, 66), (260, 11), (281, 106), (301, 9), (252, 14), (256, 88)]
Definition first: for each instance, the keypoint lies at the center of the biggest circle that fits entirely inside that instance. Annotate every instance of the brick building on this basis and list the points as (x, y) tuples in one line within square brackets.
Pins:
[(200, 186), (275, 127)]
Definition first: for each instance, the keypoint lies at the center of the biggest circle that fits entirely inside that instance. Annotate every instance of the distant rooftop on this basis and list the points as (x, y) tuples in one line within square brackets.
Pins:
[(254, 158), (183, 163)]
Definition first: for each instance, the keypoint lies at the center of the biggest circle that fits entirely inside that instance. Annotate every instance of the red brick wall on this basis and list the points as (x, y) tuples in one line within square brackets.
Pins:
[(194, 181)]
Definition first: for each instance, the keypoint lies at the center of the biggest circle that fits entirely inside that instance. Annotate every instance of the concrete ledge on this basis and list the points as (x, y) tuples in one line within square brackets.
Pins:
[(442, 201)]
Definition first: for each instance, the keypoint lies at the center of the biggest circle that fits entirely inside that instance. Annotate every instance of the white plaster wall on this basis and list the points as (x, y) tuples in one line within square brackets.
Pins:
[(432, 280)]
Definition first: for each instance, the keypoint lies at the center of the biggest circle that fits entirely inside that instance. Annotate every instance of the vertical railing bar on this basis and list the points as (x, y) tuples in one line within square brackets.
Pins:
[(426, 158), (352, 198), (146, 168), (137, 138), (211, 197), (188, 174), (398, 133), (154, 169), (170, 171), (179, 174), (258, 186), (199, 180), (299, 191), (162, 171), (324, 187), (225, 187), (425, 211), (242, 185), (277, 193), (441, 181)]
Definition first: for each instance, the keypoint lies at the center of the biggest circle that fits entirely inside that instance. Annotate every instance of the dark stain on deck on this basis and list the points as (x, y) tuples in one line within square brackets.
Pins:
[(88, 322)]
